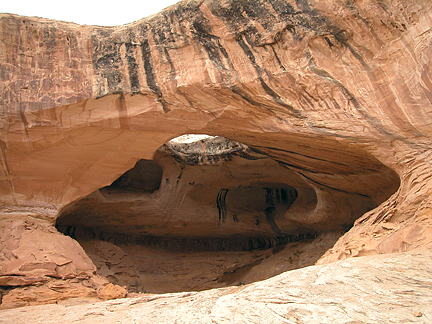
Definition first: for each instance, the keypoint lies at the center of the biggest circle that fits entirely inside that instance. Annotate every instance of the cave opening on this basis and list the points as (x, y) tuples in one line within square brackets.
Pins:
[(210, 212)]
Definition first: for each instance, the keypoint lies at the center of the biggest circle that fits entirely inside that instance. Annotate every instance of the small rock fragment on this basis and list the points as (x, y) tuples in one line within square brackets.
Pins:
[(111, 291)]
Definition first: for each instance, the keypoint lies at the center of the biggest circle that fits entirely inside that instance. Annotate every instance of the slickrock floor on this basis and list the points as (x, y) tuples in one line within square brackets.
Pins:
[(394, 288)]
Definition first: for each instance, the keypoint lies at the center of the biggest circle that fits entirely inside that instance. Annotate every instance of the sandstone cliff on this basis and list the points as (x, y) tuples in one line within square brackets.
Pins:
[(330, 101)]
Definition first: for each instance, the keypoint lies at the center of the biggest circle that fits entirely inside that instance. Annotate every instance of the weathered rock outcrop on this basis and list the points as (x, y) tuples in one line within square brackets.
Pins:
[(331, 100), (391, 289)]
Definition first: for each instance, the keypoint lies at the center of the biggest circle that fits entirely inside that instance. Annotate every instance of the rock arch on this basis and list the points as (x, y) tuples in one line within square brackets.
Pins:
[(342, 100)]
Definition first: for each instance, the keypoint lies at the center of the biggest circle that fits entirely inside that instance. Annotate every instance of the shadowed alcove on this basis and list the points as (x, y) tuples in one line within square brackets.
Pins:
[(209, 212)]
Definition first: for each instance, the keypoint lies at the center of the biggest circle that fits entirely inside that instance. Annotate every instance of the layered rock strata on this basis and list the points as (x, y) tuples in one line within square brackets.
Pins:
[(333, 97)]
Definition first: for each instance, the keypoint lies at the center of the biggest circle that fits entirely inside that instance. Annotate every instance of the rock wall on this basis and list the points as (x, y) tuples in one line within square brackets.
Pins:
[(337, 93)]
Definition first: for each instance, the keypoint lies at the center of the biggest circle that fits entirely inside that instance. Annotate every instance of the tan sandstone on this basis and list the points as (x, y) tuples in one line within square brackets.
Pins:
[(322, 112)]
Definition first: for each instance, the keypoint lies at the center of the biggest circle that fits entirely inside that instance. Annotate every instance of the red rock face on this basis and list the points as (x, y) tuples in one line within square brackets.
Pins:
[(336, 97)]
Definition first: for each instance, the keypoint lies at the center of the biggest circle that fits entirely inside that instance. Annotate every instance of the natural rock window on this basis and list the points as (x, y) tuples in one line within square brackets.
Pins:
[(208, 212)]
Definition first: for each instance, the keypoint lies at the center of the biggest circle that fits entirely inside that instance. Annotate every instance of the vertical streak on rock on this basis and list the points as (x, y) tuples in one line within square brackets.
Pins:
[(151, 79), (294, 112), (277, 58), (250, 56), (124, 67), (23, 117), (221, 204), (168, 58), (132, 68), (6, 170), (160, 42), (122, 111), (271, 196), (210, 17), (228, 75), (107, 63)]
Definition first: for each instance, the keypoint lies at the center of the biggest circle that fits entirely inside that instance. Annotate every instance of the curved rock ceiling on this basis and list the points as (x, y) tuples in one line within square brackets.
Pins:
[(216, 188), (197, 202), (330, 100)]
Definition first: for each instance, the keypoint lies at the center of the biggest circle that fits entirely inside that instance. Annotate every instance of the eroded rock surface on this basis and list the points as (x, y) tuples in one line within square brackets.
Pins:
[(192, 218), (331, 102), (228, 191), (375, 289)]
